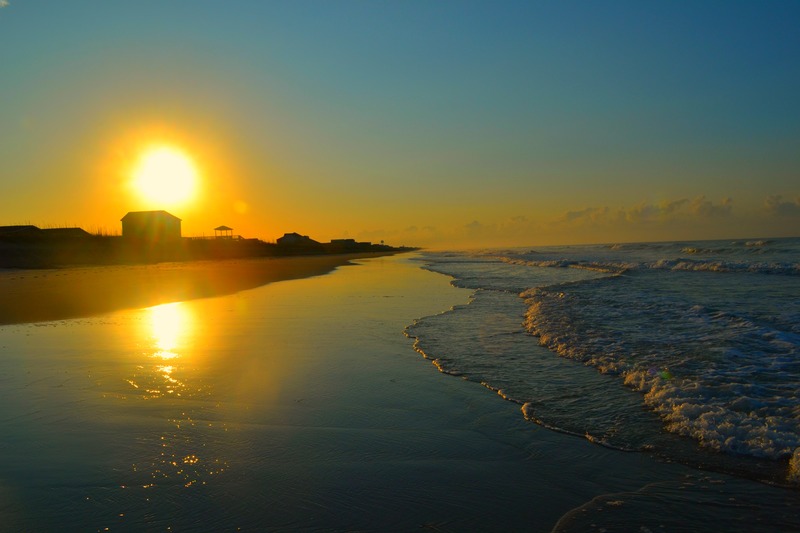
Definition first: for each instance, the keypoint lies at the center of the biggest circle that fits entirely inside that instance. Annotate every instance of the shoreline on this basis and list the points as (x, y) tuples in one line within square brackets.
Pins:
[(41, 295)]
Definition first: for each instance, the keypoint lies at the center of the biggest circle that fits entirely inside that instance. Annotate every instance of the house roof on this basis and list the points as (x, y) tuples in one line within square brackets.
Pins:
[(18, 229), (296, 238), (148, 214), (67, 232), (223, 228)]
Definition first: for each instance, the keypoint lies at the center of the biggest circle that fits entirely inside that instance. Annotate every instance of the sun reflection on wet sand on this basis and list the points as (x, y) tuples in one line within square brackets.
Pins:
[(168, 372), (168, 333), (170, 324)]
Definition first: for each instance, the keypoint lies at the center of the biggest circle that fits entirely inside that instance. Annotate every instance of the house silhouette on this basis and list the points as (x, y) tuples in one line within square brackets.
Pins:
[(151, 226), (295, 239)]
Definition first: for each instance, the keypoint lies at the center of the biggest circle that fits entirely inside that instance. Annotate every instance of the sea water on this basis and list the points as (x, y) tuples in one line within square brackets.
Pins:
[(686, 350)]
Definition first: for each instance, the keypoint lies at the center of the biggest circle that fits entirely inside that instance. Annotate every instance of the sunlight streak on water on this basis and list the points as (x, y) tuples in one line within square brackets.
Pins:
[(172, 338), (167, 336), (170, 324)]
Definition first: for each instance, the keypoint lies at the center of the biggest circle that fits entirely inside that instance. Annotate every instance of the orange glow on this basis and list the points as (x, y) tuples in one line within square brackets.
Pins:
[(169, 324), (165, 176), (214, 165)]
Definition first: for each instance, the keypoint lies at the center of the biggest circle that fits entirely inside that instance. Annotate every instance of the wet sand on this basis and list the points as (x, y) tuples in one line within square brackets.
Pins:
[(55, 294), (300, 406)]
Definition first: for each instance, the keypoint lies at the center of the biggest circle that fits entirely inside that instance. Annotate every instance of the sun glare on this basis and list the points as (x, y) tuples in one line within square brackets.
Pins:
[(169, 323), (165, 176)]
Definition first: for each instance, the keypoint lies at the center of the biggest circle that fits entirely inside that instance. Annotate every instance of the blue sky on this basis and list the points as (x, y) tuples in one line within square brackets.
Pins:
[(438, 123)]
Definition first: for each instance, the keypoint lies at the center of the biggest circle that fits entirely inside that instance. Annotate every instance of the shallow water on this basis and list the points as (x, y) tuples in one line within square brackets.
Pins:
[(686, 351)]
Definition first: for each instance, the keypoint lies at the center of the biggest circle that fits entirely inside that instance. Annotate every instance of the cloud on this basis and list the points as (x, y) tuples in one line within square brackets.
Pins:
[(665, 212), (646, 212), (681, 208), (416, 229), (3, 3), (587, 215), (776, 206), (478, 230), (680, 218), (667, 208), (704, 208), (474, 226)]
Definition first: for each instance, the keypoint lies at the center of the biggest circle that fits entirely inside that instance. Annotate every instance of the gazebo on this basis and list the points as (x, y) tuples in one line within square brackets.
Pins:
[(223, 232)]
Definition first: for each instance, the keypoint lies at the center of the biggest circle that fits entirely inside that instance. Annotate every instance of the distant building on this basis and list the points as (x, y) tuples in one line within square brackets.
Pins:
[(295, 239), (19, 231), (348, 245), (151, 226), (30, 233), (66, 233)]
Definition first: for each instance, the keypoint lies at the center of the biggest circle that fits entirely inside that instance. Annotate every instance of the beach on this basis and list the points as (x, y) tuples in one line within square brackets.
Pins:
[(36, 295), (300, 405)]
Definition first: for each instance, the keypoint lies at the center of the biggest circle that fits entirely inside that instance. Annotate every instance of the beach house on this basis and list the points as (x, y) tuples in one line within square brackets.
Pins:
[(295, 239), (151, 226)]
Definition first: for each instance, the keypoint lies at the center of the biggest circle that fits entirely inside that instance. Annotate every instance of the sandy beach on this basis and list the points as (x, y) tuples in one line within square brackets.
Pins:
[(54, 294), (301, 406)]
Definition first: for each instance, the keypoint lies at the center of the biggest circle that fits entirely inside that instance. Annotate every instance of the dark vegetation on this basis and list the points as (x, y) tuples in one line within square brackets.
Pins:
[(31, 247)]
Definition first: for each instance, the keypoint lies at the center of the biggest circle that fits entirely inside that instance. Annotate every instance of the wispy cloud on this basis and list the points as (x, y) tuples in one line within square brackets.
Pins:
[(646, 212), (682, 218), (776, 206), (3, 3), (589, 214), (705, 208)]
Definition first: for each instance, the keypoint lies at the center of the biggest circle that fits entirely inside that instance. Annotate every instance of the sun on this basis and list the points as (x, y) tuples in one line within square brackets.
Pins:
[(165, 176)]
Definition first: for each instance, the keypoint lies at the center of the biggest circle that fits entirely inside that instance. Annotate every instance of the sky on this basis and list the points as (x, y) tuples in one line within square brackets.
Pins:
[(441, 124)]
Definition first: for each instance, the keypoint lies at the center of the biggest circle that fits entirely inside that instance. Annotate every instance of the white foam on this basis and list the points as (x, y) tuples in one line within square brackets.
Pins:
[(741, 401), (716, 356), (794, 468)]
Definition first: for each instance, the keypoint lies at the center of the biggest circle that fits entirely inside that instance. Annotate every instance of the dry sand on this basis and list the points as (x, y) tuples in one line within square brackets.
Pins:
[(55, 294)]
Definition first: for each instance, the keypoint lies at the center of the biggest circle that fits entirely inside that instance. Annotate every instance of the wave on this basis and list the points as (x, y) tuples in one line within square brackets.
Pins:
[(720, 246), (726, 380), (692, 265), (608, 268), (678, 264), (714, 358)]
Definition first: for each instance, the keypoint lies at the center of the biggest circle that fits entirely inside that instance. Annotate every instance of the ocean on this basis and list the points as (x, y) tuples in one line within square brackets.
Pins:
[(689, 351)]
